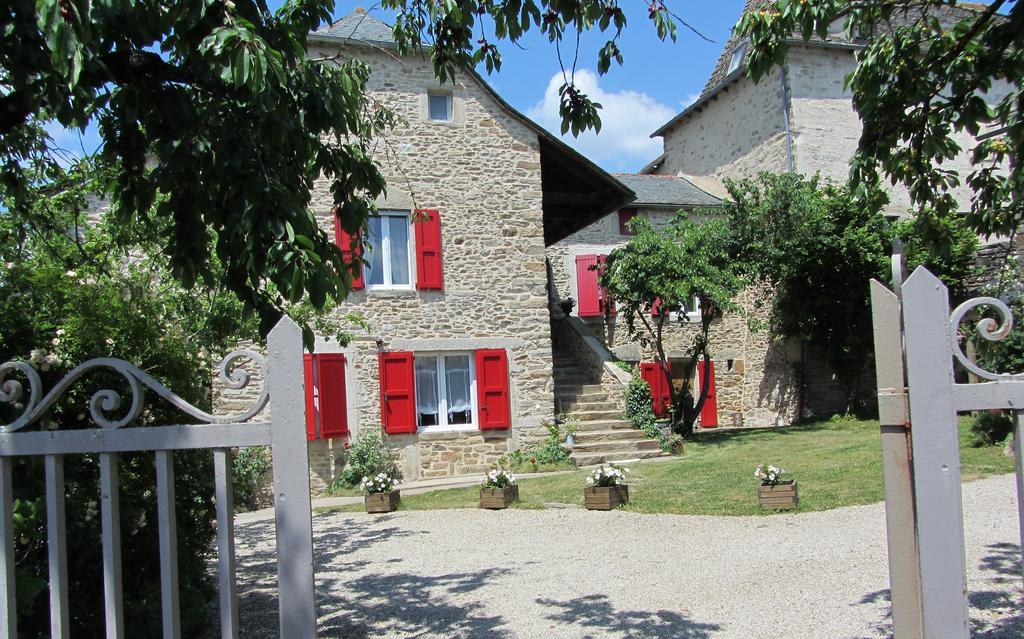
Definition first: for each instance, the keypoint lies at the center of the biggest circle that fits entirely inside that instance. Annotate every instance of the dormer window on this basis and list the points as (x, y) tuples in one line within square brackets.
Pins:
[(439, 106), (737, 57)]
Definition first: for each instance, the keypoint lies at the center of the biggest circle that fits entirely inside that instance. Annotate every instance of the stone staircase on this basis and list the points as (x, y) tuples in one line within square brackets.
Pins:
[(603, 436)]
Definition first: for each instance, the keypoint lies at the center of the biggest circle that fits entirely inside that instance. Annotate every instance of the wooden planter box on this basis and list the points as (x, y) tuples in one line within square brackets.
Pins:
[(781, 496), (498, 498), (605, 498), (382, 502)]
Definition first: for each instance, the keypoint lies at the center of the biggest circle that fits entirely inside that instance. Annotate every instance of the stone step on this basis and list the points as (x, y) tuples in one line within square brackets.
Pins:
[(569, 403), (617, 445), (577, 389), (616, 456), (606, 424), (597, 415), (588, 406), (620, 434)]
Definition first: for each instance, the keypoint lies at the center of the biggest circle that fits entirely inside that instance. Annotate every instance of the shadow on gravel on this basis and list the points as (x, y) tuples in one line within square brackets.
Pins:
[(597, 612), (1008, 607), (994, 614), (358, 606)]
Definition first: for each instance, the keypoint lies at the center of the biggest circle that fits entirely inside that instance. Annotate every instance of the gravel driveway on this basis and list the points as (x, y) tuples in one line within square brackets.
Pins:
[(573, 573)]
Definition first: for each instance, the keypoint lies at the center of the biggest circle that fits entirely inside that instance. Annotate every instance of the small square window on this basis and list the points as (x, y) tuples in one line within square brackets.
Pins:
[(737, 57), (440, 106)]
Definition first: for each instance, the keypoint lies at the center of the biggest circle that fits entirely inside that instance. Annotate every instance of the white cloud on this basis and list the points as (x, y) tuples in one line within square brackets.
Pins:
[(627, 120), (690, 99)]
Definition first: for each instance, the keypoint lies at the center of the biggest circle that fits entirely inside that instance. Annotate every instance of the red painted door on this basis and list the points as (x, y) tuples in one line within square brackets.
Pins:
[(709, 412), (330, 384), (398, 392), (492, 389), (661, 390), (589, 294)]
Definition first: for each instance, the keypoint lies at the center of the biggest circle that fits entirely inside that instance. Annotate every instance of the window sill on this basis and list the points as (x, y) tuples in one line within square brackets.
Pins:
[(381, 291), (439, 431)]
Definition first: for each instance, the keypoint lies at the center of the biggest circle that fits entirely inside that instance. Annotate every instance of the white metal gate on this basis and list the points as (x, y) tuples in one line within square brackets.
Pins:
[(924, 515), (282, 385)]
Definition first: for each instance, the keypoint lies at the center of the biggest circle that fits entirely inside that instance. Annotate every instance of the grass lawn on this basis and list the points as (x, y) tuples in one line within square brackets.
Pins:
[(837, 463)]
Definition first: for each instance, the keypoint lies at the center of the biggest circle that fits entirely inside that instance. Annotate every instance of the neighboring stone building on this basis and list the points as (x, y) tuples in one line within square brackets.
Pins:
[(751, 377), (457, 364), (797, 118)]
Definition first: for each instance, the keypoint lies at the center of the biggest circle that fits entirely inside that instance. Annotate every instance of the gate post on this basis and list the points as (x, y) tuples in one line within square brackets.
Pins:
[(295, 586), (904, 582), (936, 446)]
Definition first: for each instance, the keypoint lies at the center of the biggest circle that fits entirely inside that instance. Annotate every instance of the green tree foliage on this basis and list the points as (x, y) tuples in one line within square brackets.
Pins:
[(213, 112), (816, 246), (69, 293), (215, 120), (919, 81), (673, 265)]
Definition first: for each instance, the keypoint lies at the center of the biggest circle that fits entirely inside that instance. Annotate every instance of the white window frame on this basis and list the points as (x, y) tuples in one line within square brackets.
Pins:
[(692, 316), (442, 391), (385, 249), (451, 106), (737, 58)]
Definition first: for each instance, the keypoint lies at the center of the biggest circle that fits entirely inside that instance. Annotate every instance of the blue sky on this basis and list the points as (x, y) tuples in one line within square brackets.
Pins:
[(656, 81)]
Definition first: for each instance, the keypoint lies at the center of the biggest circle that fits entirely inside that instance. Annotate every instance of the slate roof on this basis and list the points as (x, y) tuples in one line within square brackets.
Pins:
[(359, 26), (720, 75), (666, 190)]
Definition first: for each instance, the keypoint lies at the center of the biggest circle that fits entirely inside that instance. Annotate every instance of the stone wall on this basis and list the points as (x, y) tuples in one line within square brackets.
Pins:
[(740, 132), (826, 129)]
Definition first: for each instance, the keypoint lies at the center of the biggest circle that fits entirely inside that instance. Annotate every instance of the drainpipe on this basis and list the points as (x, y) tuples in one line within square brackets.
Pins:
[(802, 383), (785, 118)]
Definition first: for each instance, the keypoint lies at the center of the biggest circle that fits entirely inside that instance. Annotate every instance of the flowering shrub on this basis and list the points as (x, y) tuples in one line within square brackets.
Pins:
[(368, 456), (768, 474), (379, 483), (498, 478), (607, 475)]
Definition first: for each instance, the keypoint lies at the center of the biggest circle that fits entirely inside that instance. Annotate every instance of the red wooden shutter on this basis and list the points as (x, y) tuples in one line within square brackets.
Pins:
[(398, 392), (350, 255), (661, 392), (307, 365), (656, 307), (330, 384), (589, 302), (429, 270), (607, 303), (492, 389), (625, 215), (708, 412)]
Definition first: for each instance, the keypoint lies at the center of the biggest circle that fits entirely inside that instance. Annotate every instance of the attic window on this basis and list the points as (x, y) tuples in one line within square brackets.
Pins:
[(440, 106), (737, 57)]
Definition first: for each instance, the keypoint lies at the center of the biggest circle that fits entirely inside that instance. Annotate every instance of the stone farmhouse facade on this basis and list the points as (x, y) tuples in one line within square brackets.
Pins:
[(457, 363)]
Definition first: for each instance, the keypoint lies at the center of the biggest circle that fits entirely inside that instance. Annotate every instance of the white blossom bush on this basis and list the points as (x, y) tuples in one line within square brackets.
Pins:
[(607, 475), (379, 483), (768, 474), (498, 478)]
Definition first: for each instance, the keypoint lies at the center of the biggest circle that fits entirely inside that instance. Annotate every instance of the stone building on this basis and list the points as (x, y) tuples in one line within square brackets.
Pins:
[(751, 379), (457, 363), (797, 118)]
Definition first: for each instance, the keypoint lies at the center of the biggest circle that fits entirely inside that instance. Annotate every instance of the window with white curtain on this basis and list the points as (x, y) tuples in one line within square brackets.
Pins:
[(388, 251), (445, 391)]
